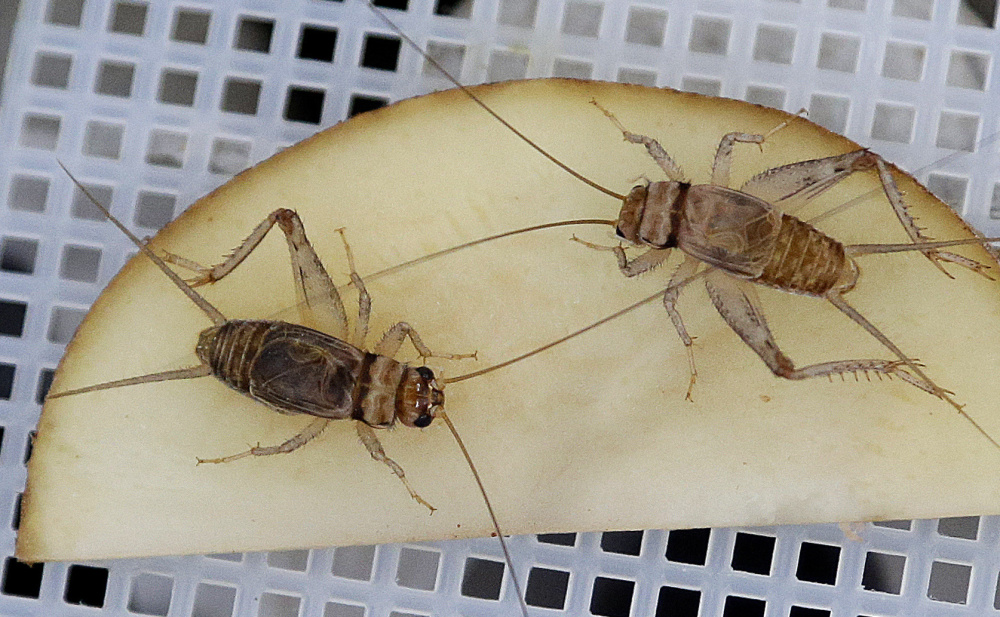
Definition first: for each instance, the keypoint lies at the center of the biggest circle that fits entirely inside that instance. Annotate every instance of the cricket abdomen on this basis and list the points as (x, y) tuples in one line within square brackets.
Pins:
[(295, 369), (805, 260)]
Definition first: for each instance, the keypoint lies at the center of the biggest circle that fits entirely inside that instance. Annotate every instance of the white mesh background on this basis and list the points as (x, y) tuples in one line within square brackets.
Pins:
[(156, 102)]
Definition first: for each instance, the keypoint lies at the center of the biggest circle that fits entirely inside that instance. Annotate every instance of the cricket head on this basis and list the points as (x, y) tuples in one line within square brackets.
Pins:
[(420, 398), (648, 215)]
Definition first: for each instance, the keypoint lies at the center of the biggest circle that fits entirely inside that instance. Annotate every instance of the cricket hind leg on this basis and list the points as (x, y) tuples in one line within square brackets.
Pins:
[(310, 432), (741, 312), (377, 452)]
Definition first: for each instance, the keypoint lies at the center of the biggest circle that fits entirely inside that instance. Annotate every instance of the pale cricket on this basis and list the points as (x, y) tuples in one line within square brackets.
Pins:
[(293, 369), (736, 238)]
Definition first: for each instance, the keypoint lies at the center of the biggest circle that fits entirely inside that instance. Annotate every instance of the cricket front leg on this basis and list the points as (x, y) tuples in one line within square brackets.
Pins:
[(653, 147), (374, 447), (684, 272), (309, 433), (630, 267), (742, 313)]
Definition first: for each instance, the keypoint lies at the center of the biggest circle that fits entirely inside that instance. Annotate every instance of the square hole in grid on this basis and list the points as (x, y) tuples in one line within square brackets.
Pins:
[(64, 13), (12, 313), (774, 44), (229, 156), (51, 70), (582, 18), (214, 600), (851, 5), (622, 542), (240, 96), (506, 65), (639, 77), (29, 445), (114, 78), (337, 609), (361, 103), (297, 560), (453, 8), (63, 322), (741, 606), (150, 594), (611, 597), (883, 572), (15, 520), (893, 123), (417, 568), (818, 563), (80, 263), (166, 148), (688, 546), (710, 35), (645, 26), (399, 5), (957, 131), (766, 96), (86, 585), (353, 562), (21, 579), (233, 557), (838, 52), (967, 69), (18, 255), (304, 104), (949, 189), (573, 69), (448, 55), (254, 34), (547, 588), (557, 539), (83, 208), (44, 383), (39, 131), (153, 210), (28, 193), (317, 43), (7, 372), (177, 87), (914, 9), (753, 553), (274, 604), (380, 52), (701, 85), (517, 13), (805, 611), (964, 527), (949, 582), (980, 13), (103, 139), (677, 602), (482, 578), (190, 26), (128, 18), (903, 61), (904, 525)]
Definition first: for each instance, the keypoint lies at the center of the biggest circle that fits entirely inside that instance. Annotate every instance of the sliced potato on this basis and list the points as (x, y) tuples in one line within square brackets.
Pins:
[(593, 434)]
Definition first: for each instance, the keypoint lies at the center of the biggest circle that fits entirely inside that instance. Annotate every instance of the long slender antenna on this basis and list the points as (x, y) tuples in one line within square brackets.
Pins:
[(212, 312), (468, 92), (489, 508)]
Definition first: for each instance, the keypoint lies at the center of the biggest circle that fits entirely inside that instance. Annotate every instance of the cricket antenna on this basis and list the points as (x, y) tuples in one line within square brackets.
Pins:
[(468, 92), (489, 507), (212, 312)]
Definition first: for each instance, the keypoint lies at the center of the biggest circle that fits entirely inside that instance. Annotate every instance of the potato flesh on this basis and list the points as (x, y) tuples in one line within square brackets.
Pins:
[(592, 435)]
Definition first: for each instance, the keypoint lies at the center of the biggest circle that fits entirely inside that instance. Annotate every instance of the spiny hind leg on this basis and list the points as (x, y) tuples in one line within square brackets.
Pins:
[(374, 447), (309, 433), (393, 339), (734, 302)]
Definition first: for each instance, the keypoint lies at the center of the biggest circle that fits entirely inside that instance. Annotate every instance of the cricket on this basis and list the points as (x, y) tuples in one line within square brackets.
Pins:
[(734, 239), (293, 369)]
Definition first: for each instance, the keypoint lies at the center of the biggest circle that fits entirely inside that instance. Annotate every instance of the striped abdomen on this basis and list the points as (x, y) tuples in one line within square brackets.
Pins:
[(804, 260), (295, 369)]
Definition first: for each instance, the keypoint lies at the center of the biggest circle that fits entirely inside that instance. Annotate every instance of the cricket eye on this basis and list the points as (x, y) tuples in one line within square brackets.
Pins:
[(618, 232), (423, 421), (425, 372)]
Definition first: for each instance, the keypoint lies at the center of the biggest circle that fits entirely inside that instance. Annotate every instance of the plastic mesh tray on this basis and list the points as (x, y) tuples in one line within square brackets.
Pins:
[(166, 100)]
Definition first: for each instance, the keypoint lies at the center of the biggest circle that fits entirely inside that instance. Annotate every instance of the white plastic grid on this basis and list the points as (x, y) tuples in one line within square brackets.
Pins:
[(165, 100)]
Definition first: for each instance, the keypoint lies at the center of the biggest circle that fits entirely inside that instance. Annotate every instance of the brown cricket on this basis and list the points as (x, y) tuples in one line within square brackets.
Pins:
[(736, 238), (294, 369)]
